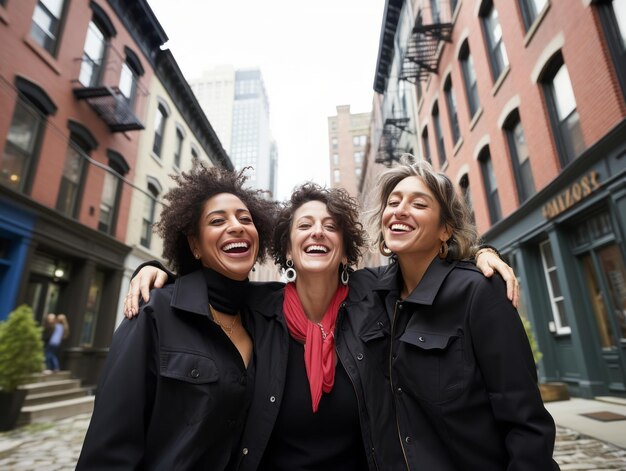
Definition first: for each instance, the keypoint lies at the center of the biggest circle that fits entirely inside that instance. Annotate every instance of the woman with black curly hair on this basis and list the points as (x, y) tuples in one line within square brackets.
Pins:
[(186, 363)]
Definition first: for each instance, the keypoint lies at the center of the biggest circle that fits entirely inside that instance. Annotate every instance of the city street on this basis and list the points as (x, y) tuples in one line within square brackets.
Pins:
[(56, 446)]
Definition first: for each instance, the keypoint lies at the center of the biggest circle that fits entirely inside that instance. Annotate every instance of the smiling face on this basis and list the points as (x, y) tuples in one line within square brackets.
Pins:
[(315, 241), (411, 220), (227, 240)]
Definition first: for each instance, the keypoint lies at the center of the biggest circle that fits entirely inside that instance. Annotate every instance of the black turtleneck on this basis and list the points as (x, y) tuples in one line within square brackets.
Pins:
[(226, 295)]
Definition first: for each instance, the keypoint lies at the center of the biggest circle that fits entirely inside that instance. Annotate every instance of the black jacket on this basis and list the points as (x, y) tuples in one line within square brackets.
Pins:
[(174, 391), (356, 328), (462, 374)]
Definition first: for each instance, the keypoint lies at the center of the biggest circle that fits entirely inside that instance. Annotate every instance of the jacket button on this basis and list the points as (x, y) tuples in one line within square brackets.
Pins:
[(380, 324), (342, 305), (421, 339), (399, 391), (244, 451), (359, 356), (408, 439), (194, 373), (400, 306), (272, 398)]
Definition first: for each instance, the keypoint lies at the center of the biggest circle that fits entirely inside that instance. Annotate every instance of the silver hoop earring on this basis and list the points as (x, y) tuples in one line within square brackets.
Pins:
[(345, 276), (290, 272)]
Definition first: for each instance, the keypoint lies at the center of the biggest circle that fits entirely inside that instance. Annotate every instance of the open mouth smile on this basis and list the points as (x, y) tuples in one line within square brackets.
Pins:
[(398, 227), (316, 249), (236, 247)]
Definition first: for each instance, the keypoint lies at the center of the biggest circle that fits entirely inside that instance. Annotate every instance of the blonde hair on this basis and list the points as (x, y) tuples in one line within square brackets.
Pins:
[(62, 319), (454, 212)]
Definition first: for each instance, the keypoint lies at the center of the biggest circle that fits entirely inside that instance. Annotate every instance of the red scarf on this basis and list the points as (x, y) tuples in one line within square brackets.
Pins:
[(319, 339)]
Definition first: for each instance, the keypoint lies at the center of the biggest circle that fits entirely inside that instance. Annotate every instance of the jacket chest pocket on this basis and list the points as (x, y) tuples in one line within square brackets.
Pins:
[(431, 365), (189, 381)]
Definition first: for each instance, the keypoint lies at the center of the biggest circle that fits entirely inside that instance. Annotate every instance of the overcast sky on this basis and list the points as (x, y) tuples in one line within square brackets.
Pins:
[(313, 55)]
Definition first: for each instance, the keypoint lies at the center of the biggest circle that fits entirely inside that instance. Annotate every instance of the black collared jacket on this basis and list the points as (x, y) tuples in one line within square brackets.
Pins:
[(360, 344), (462, 374), (174, 391)]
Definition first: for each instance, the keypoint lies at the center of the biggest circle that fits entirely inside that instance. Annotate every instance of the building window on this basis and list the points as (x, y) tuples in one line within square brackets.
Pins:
[(358, 158), (92, 308), (358, 172), (452, 112), (149, 209), (112, 192), (194, 154), (518, 147), (359, 141), (469, 79), (426, 146), (464, 184), (159, 129), (613, 17), (336, 176), (435, 8), (22, 145), (93, 55), (491, 186), (493, 35), (554, 288), (336, 160), (46, 24), (530, 10), (333, 142), (178, 149), (73, 178), (441, 149), (562, 110)]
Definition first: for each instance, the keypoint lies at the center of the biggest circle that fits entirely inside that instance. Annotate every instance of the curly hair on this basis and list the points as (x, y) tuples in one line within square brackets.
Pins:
[(454, 212), (340, 205), (180, 218)]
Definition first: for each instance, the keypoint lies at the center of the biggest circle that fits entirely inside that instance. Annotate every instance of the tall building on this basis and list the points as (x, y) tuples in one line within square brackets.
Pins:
[(237, 105), (347, 138), (523, 105)]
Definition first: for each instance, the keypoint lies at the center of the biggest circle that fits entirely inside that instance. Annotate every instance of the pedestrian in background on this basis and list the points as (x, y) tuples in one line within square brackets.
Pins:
[(49, 324), (60, 332)]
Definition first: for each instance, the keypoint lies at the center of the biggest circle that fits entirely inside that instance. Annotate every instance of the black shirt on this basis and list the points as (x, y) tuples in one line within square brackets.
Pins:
[(329, 439)]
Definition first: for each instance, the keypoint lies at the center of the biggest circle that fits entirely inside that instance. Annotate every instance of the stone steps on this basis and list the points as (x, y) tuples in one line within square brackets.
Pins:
[(54, 396), (55, 410)]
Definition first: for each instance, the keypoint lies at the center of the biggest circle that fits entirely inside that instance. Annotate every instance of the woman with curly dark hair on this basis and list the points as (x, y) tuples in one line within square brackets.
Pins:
[(186, 362)]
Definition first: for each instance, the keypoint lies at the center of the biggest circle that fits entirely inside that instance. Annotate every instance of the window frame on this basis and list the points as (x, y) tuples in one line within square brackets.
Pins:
[(560, 329), (491, 191), (426, 146), (613, 36), (159, 128), (154, 189), (453, 114), (118, 168), (471, 90), (493, 46), (530, 12), (525, 187), (53, 46), (440, 144)]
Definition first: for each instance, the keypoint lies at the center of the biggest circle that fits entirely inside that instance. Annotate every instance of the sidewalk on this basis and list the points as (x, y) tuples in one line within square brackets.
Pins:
[(582, 443)]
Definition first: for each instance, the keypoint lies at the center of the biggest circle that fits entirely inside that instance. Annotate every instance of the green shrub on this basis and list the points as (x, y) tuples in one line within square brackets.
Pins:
[(532, 340), (21, 348)]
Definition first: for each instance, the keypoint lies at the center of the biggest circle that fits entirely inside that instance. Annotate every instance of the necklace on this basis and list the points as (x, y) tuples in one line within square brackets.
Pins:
[(228, 330)]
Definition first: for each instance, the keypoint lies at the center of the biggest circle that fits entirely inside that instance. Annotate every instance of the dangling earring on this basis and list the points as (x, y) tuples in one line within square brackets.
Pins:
[(290, 272), (345, 276), (384, 249), (443, 250), (196, 255)]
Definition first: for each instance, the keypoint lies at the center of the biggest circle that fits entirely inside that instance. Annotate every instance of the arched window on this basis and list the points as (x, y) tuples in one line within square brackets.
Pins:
[(469, 79), (46, 26), (490, 184), (452, 111), (493, 36), (160, 119), (561, 104), (518, 148), (21, 150), (111, 192), (149, 209)]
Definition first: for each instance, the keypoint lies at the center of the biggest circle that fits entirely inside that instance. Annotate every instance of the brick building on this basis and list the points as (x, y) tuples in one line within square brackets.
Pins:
[(522, 104), (76, 79), (347, 138)]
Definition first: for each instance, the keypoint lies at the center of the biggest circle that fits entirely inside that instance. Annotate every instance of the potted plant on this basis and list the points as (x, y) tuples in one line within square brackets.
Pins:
[(552, 391), (21, 355)]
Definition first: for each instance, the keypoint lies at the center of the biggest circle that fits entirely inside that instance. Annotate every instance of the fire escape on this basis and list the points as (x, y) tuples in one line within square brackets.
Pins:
[(433, 27), (389, 150), (112, 88)]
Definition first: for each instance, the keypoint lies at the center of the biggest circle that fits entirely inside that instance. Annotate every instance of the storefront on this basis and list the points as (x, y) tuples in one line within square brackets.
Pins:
[(54, 264), (567, 245)]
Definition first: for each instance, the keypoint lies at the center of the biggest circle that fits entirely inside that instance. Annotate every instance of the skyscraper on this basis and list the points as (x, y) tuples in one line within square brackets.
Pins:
[(236, 104)]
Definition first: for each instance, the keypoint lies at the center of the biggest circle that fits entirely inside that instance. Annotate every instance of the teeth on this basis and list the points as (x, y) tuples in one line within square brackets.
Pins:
[(316, 248), (235, 245), (400, 227)]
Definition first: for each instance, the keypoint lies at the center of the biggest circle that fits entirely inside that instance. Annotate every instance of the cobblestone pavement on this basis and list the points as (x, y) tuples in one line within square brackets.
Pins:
[(56, 446)]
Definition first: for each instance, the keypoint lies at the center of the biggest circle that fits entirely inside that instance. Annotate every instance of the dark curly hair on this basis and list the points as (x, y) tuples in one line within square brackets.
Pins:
[(341, 206), (181, 216)]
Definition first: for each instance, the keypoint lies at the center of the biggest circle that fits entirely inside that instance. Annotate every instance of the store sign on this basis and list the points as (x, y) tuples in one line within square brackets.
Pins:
[(572, 195)]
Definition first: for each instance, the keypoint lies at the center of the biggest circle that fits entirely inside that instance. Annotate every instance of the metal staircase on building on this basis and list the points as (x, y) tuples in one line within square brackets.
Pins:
[(54, 396)]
